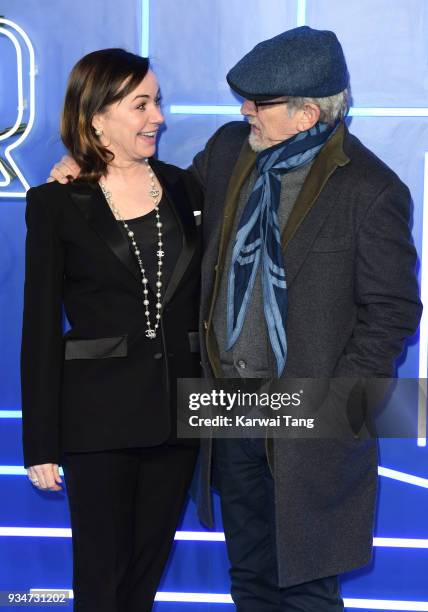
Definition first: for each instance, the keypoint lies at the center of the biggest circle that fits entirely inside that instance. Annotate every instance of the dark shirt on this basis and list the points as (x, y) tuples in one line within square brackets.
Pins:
[(146, 237)]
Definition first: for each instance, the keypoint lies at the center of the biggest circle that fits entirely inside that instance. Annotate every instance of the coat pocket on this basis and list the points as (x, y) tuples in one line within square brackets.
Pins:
[(96, 348)]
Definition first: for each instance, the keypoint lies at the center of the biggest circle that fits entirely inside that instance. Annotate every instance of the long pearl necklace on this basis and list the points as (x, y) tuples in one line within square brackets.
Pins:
[(154, 194)]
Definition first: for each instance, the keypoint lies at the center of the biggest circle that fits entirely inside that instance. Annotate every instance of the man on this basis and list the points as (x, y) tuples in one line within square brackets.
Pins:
[(308, 273), (301, 512)]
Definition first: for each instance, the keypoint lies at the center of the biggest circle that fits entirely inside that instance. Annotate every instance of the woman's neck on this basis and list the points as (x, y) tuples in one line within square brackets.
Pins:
[(126, 171)]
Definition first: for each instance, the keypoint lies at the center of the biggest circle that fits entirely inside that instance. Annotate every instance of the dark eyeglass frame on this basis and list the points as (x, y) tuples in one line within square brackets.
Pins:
[(268, 103)]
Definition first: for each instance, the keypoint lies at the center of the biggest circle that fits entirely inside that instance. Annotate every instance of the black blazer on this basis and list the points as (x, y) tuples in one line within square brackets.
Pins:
[(104, 384)]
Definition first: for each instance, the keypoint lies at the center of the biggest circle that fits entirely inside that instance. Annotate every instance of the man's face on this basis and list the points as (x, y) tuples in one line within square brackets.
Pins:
[(270, 124)]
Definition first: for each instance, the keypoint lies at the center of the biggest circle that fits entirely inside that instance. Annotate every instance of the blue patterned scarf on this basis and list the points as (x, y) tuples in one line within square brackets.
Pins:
[(258, 240)]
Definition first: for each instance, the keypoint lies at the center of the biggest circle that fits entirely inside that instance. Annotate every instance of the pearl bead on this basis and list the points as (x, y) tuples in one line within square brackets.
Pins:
[(130, 234), (146, 302), (158, 305), (158, 284)]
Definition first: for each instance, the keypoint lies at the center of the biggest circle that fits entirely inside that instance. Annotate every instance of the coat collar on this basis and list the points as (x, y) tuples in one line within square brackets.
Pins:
[(330, 157), (297, 236), (90, 200), (302, 227)]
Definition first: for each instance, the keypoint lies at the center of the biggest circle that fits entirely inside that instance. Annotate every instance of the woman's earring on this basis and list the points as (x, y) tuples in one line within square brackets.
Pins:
[(98, 132)]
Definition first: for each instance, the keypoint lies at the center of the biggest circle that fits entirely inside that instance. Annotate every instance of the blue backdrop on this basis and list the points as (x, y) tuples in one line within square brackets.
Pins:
[(192, 45)]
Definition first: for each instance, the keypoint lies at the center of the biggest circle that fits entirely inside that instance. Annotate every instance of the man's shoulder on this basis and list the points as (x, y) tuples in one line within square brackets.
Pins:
[(233, 131), (229, 137), (224, 146), (366, 165)]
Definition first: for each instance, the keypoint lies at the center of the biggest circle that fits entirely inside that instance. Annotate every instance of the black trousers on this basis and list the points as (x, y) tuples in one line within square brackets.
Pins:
[(125, 506), (246, 489)]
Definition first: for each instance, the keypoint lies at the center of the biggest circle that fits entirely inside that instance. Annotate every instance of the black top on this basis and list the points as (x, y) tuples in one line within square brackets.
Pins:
[(146, 237)]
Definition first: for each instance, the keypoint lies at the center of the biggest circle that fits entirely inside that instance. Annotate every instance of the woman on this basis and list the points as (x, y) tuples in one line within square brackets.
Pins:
[(119, 249)]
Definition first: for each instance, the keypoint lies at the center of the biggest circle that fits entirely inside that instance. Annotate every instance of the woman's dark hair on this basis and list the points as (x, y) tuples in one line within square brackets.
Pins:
[(96, 81)]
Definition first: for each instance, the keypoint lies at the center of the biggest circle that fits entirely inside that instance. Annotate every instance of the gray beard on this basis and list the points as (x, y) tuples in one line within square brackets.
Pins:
[(255, 143)]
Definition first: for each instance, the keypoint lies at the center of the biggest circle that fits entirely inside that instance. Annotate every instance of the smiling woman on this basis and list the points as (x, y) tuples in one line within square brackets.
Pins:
[(111, 115), (118, 248)]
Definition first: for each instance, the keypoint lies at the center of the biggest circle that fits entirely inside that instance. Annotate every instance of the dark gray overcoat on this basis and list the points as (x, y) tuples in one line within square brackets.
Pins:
[(353, 301)]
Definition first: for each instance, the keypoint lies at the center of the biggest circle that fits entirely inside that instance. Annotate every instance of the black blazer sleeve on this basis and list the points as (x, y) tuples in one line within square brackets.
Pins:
[(42, 344)]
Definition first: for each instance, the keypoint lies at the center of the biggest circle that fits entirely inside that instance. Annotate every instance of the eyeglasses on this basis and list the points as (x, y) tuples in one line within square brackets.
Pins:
[(268, 103)]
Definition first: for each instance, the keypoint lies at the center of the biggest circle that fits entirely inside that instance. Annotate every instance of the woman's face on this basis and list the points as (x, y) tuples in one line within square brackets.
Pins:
[(129, 127)]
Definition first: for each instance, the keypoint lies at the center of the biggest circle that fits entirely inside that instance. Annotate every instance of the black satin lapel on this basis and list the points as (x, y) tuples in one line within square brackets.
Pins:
[(92, 203), (175, 191)]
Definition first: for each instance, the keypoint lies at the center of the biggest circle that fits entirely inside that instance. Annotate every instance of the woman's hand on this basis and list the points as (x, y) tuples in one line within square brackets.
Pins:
[(64, 171), (45, 477)]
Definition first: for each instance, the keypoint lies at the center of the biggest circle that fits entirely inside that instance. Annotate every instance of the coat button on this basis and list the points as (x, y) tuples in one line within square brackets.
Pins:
[(157, 356), (242, 364)]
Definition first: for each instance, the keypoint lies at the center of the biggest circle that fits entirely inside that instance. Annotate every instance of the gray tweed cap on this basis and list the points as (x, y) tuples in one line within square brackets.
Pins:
[(300, 62)]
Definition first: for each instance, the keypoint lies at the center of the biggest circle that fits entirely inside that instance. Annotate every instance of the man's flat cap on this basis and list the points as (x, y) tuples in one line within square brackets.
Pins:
[(301, 62)]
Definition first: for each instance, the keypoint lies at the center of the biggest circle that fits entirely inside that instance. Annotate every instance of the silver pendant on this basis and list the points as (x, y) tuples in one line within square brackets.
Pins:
[(150, 333), (154, 193)]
